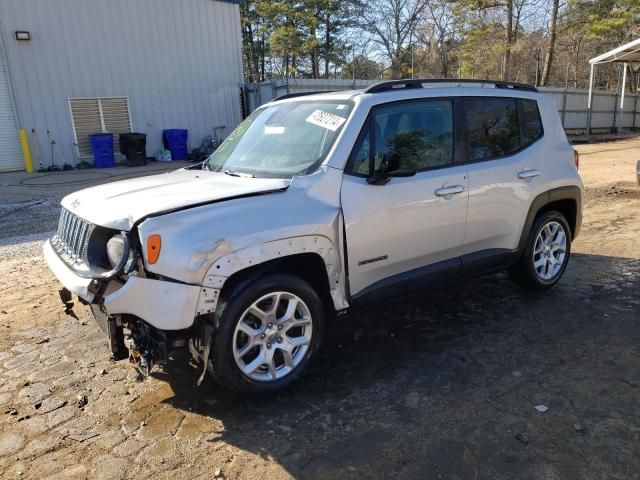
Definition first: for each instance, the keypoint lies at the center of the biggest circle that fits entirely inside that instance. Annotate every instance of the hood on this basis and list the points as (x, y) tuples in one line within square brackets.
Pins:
[(120, 205)]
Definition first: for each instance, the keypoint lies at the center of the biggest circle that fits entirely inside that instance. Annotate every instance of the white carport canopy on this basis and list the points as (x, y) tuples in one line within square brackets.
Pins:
[(628, 53)]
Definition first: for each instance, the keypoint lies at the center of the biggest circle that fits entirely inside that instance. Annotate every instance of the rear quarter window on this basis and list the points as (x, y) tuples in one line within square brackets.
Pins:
[(532, 124)]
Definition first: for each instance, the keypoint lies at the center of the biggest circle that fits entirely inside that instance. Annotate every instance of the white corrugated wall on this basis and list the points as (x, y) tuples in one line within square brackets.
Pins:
[(178, 61), (10, 151)]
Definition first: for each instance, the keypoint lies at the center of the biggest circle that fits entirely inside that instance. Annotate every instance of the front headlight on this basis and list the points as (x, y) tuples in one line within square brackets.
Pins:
[(116, 247)]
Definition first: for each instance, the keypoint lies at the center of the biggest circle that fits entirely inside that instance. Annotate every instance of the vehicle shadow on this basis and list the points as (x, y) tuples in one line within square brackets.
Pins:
[(445, 383)]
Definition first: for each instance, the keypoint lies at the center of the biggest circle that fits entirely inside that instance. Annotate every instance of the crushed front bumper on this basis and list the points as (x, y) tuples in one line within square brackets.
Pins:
[(148, 316), (165, 305), (71, 281)]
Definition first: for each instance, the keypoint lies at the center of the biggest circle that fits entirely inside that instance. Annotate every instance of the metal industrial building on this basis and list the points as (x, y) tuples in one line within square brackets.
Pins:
[(75, 67)]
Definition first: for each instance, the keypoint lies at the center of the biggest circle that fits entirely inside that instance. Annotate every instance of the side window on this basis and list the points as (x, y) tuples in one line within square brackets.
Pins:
[(531, 121), (413, 136), (492, 127)]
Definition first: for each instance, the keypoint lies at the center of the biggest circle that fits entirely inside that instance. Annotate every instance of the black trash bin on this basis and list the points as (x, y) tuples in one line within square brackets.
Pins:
[(134, 147)]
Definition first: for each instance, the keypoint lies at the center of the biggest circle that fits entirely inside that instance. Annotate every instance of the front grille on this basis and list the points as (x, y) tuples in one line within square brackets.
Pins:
[(72, 237)]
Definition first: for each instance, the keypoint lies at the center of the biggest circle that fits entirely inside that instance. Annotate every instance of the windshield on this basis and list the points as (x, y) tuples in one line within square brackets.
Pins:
[(281, 140)]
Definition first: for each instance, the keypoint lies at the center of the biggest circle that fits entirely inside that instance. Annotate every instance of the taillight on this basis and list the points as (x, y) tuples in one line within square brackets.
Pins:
[(153, 248), (576, 158)]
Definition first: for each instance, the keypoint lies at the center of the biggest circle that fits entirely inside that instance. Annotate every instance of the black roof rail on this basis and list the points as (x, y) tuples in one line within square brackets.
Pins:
[(300, 94), (419, 82)]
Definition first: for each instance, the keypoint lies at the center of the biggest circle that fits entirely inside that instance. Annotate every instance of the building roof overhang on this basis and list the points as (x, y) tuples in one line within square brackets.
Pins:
[(628, 53)]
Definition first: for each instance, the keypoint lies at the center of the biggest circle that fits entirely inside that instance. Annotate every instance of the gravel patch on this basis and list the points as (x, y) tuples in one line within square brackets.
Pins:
[(28, 218), (23, 246)]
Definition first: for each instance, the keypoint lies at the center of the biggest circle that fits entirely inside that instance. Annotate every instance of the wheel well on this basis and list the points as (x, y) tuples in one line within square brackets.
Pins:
[(308, 266), (566, 207)]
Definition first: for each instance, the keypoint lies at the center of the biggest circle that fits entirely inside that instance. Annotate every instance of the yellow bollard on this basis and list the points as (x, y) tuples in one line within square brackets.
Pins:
[(26, 153)]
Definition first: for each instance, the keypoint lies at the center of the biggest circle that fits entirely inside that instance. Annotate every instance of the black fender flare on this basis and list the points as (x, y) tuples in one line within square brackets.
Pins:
[(571, 192)]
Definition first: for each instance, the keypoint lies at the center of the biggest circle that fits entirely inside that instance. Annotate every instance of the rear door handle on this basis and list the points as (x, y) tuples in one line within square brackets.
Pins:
[(452, 190), (524, 174)]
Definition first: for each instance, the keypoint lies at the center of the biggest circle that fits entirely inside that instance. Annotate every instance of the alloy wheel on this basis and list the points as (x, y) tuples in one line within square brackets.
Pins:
[(549, 250), (272, 336)]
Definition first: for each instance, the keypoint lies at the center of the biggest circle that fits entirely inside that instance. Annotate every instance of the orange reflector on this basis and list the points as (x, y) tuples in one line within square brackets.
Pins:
[(153, 248)]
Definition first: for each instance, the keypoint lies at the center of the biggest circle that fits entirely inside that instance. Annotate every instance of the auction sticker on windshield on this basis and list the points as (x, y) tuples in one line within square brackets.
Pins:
[(326, 120)]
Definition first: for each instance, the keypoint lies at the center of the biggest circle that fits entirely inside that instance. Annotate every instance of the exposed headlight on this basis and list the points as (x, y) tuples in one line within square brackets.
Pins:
[(116, 249)]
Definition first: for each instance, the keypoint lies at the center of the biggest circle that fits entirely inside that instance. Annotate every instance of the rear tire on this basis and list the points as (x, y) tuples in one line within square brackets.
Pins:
[(546, 253), (268, 334)]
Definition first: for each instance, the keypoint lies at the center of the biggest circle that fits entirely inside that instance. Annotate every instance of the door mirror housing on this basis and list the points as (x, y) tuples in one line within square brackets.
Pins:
[(389, 167), (380, 177)]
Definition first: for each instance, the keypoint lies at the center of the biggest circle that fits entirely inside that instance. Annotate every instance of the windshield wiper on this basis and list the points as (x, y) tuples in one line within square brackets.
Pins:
[(239, 174)]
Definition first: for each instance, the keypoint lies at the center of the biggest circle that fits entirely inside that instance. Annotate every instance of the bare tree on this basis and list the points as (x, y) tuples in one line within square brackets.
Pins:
[(506, 64), (440, 23), (391, 23), (548, 59), (505, 13)]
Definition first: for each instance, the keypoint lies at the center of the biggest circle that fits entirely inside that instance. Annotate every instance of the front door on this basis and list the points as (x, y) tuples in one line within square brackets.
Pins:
[(396, 231)]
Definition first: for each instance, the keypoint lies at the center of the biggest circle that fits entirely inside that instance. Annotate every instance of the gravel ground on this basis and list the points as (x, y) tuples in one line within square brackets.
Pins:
[(477, 380), (21, 221), (23, 245)]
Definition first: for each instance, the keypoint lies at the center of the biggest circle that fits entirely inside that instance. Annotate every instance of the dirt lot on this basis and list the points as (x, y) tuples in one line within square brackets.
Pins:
[(441, 386)]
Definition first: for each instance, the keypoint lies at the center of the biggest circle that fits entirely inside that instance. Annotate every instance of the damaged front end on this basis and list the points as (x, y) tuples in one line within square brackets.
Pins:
[(145, 317), (134, 339), (143, 344), (149, 346)]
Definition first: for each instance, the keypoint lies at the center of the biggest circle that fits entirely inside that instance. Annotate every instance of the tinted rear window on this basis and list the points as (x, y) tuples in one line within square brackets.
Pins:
[(492, 126)]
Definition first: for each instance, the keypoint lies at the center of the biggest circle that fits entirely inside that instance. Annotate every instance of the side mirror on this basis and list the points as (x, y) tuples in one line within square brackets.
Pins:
[(378, 178), (390, 161), (389, 167), (381, 178)]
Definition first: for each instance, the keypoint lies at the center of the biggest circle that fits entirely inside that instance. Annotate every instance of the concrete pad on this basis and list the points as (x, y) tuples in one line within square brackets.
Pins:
[(17, 187)]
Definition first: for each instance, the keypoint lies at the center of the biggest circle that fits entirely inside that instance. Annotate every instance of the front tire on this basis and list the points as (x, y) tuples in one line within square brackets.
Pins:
[(268, 334), (546, 253)]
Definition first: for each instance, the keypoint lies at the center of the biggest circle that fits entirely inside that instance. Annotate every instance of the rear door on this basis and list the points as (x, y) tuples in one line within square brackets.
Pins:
[(395, 230), (505, 163)]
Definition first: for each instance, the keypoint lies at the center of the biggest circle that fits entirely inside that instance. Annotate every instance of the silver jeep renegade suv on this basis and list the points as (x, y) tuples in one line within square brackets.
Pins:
[(317, 205)]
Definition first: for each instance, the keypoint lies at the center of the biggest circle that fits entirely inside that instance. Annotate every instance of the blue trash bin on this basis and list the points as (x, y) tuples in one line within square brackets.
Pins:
[(176, 140), (102, 147)]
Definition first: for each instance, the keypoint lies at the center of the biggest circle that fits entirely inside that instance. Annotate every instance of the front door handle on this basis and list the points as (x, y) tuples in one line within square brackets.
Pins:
[(524, 174), (452, 190)]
